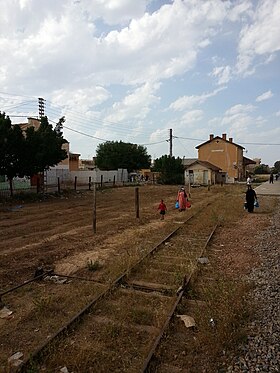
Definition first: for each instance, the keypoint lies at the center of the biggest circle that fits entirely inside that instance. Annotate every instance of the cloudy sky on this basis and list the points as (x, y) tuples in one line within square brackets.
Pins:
[(131, 70)]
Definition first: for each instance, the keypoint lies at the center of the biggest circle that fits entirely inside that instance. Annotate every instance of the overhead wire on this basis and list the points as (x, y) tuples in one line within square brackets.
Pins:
[(81, 119)]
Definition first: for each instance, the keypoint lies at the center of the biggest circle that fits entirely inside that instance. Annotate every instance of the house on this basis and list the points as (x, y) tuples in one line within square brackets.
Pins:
[(202, 173), (248, 166), (225, 154), (87, 164)]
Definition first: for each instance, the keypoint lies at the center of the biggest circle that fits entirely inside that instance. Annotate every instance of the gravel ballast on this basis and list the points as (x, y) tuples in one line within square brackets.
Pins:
[(261, 353)]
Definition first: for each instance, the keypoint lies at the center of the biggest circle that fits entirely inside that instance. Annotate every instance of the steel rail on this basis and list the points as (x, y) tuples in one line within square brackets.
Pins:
[(157, 341), (26, 282), (39, 352)]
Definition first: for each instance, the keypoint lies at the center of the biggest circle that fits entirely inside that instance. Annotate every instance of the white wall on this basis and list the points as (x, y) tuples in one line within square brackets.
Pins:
[(66, 176)]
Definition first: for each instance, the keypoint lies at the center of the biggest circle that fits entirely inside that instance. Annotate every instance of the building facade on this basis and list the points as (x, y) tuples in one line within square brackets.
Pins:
[(224, 154)]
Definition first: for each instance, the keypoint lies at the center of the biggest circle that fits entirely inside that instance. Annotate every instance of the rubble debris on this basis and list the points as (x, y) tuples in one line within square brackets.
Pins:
[(203, 260), (188, 320), (5, 313), (15, 359)]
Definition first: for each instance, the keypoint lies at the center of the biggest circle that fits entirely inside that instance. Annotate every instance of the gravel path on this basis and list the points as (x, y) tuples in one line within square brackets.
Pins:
[(261, 353)]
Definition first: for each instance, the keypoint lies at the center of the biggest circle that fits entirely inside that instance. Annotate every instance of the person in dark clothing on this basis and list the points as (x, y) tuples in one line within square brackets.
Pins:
[(271, 178), (250, 198)]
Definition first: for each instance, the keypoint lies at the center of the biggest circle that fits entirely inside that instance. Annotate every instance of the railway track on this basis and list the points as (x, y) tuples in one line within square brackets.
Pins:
[(121, 327)]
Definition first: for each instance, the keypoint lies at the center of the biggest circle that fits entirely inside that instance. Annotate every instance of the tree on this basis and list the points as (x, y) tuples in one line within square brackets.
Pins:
[(43, 147), (170, 168), (30, 152), (277, 166), (112, 155), (262, 169), (11, 149)]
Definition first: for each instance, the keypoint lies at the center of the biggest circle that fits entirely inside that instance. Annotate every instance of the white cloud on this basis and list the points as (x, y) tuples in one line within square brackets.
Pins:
[(265, 96), (261, 37), (240, 109), (241, 8), (135, 105), (278, 113), (62, 44), (192, 116), (222, 73), (82, 98), (114, 12), (188, 102)]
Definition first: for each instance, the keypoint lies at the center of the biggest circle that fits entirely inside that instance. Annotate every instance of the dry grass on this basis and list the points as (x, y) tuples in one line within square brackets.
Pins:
[(123, 319)]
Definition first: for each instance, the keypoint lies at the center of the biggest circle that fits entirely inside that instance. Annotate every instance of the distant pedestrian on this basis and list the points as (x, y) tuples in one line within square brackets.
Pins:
[(251, 197), (182, 199), (249, 180), (271, 178), (162, 209)]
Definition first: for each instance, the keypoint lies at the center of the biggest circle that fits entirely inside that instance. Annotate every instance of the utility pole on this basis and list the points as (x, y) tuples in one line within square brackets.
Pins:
[(41, 104), (170, 142)]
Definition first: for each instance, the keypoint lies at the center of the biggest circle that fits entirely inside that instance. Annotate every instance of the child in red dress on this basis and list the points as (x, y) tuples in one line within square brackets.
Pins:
[(162, 208)]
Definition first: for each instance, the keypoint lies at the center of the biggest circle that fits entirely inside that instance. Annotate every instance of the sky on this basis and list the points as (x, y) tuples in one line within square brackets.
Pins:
[(131, 70)]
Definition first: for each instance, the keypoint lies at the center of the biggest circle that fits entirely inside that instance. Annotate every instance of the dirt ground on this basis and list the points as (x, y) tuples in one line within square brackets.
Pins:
[(57, 232)]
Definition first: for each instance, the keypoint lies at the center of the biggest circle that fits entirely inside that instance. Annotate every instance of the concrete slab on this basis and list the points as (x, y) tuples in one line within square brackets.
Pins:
[(268, 189)]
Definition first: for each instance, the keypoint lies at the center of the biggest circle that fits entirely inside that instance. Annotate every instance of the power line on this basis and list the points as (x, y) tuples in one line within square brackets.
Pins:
[(98, 138)]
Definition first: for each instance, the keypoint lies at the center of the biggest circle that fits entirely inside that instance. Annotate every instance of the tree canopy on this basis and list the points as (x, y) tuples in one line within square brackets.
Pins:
[(262, 169), (25, 153), (112, 155), (11, 148), (277, 166), (170, 168), (43, 148)]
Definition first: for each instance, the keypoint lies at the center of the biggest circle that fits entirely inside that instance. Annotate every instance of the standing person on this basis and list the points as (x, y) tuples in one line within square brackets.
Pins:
[(182, 199), (250, 198), (271, 178), (249, 180), (162, 209)]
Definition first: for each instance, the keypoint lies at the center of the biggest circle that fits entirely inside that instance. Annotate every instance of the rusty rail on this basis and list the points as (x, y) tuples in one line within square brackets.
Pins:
[(40, 351), (156, 343)]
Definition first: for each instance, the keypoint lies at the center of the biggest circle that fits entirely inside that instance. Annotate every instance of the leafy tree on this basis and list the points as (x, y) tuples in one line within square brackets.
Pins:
[(30, 152), (262, 169), (43, 147), (277, 166), (11, 149), (170, 168), (112, 155)]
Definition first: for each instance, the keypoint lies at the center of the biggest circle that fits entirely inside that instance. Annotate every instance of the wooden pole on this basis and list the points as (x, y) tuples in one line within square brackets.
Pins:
[(75, 184), (137, 202), (94, 209), (58, 185), (89, 183), (38, 184)]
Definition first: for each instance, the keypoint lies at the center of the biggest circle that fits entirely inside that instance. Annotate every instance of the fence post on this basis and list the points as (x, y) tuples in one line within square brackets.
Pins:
[(94, 209), (89, 183), (137, 202), (114, 181), (38, 184), (101, 181), (58, 185), (75, 184)]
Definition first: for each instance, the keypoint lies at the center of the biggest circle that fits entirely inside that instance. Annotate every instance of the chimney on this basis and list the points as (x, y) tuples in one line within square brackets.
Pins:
[(230, 139), (211, 136), (224, 136)]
